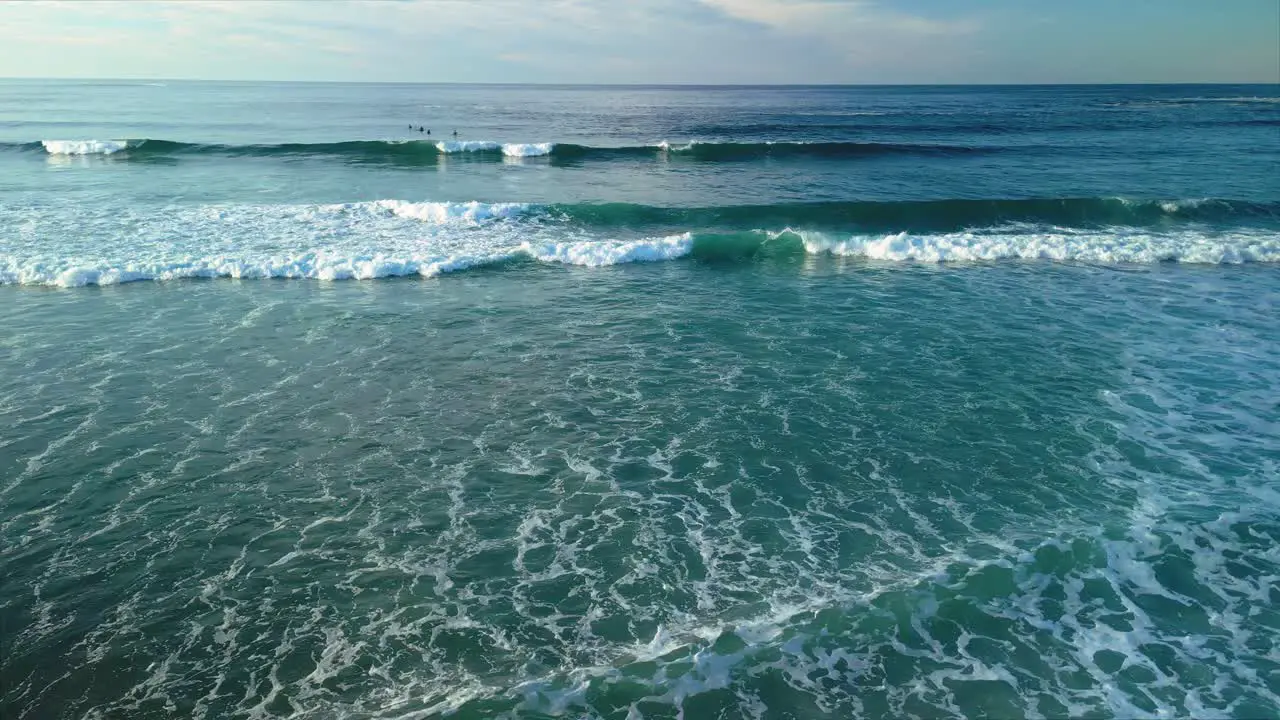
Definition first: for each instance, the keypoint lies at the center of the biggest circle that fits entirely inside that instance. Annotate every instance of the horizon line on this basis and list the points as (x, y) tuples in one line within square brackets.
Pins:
[(629, 84)]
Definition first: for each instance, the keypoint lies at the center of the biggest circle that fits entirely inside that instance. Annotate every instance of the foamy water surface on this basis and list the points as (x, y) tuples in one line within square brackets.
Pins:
[(489, 498), (638, 402)]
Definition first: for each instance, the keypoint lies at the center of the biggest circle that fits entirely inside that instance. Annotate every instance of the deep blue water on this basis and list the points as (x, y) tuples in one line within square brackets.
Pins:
[(636, 402)]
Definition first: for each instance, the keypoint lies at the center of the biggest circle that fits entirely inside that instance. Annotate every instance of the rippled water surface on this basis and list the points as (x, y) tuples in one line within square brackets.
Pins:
[(641, 432), (806, 487)]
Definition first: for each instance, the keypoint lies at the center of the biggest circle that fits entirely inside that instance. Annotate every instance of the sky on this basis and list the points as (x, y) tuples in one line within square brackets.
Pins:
[(648, 41)]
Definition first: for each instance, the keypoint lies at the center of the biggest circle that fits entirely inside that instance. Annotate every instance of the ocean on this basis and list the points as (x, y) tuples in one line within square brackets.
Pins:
[(639, 402)]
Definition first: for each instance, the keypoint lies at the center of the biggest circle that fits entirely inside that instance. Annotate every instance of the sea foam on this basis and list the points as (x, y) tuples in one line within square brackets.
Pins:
[(458, 146), (1108, 246), (99, 245), (439, 212), (508, 149), (596, 254), (331, 265), (528, 149), (84, 147)]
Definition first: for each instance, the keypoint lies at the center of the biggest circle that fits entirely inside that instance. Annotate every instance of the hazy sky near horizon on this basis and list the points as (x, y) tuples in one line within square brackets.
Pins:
[(649, 41)]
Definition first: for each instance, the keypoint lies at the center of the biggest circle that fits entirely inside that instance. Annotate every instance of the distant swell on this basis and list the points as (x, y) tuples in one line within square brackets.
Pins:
[(431, 152)]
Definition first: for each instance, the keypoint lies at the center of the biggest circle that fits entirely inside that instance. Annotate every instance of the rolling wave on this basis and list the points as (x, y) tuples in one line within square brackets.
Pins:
[(69, 247), (1099, 247), (430, 152), (932, 215), (857, 215), (84, 147)]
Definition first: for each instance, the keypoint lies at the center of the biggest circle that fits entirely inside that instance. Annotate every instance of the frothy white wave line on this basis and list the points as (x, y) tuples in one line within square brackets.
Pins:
[(667, 146), (327, 265), (457, 146), (110, 244), (311, 265), (1171, 206), (439, 213), (527, 149), (84, 147), (508, 149), (597, 254), (1117, 246)]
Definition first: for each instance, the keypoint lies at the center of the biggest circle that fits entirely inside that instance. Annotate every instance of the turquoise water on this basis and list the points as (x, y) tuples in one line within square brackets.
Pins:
[(951, 402)]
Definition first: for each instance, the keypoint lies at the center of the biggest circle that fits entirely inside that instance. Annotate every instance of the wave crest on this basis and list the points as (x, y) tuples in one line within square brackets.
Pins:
[(417, 151), (439, 212), (362, 240), (457, 146), (335, 265), (84, 147), (1116, 246), (528, 149)]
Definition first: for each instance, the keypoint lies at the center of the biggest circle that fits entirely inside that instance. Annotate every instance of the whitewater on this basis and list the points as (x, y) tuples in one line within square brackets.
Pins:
[(393, 238)]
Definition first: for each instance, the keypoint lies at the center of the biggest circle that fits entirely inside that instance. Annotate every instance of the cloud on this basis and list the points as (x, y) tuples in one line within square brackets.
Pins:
[(644, 41), (866, 41), (831, 17), (480, 40)]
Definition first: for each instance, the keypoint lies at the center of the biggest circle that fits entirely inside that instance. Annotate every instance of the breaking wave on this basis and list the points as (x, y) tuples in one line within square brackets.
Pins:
[(933, 215), (84, 147), (391, 238), (427, 151)]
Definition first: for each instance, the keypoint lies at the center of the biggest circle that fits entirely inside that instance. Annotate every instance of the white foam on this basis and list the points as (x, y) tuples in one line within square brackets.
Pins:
[(527, 149), (668, 147), (109, 245), (442, 212), (98, 245), (84, 147), (317, 265), (458, 146), (1109, 246), (328, 265), (1171, 207), (596, 254), (818, 623), (360, 241)]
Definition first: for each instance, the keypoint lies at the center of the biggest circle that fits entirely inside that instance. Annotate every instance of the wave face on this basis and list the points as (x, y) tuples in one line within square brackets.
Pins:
[(388, 238), (935, 215), (425, 151), (1097, 246)]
